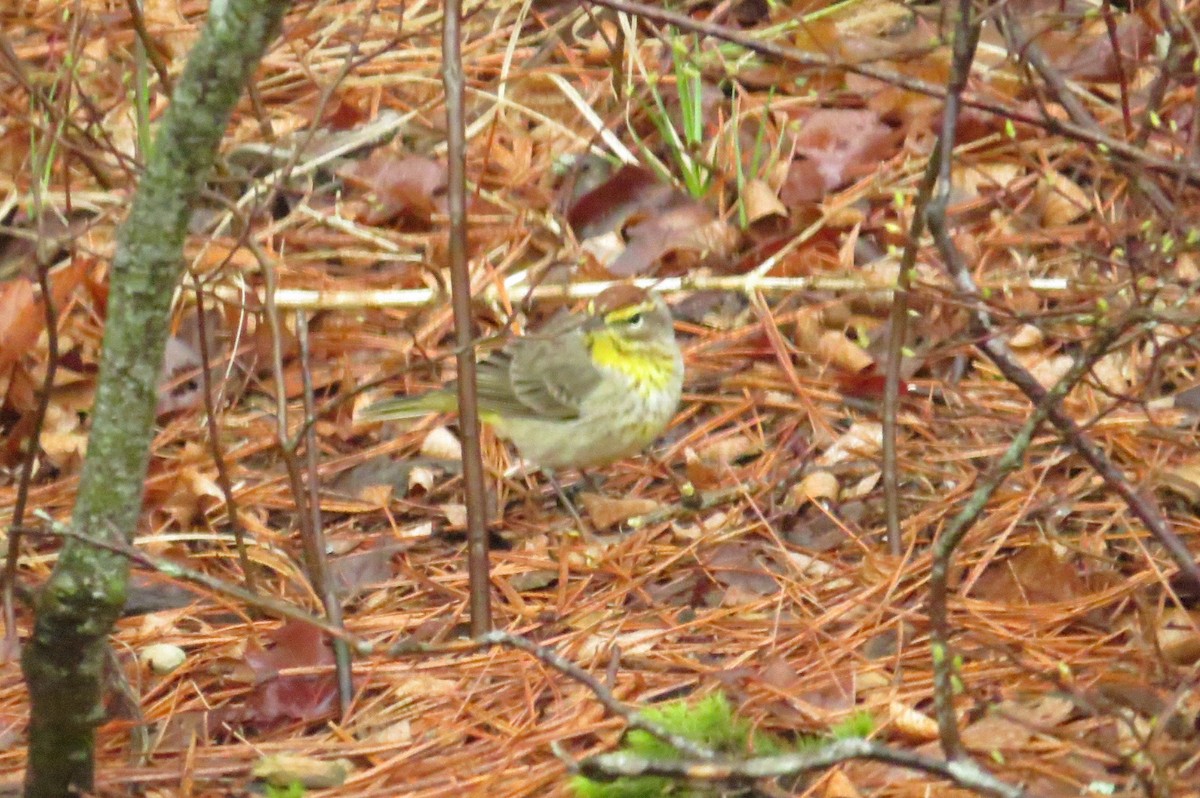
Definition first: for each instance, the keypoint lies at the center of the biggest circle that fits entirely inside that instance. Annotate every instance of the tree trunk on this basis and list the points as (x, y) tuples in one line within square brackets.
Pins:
[(63, 660)]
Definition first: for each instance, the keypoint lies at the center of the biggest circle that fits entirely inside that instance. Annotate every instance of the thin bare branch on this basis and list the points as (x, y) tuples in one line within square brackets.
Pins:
[(460, 280)]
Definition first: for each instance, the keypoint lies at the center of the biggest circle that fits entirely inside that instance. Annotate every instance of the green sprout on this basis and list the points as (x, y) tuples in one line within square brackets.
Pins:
[(686, 141)]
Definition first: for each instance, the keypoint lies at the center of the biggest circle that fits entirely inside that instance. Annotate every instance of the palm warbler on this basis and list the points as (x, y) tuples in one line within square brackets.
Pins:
[(585, 390)]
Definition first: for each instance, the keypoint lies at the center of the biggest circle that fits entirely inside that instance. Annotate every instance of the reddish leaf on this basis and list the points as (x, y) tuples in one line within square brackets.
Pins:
[(748, 13), (803, 183), (22, 318), (1089, 56), (866, 384), (839, 145), (346, 115), (740, 568), (656, 220), (631, 190), (370, 565), (688, 227), (409, 186), (19, 319), (279, 697)]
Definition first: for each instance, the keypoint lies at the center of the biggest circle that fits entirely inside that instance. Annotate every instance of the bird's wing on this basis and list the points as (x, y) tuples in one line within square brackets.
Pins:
[(546, 375)]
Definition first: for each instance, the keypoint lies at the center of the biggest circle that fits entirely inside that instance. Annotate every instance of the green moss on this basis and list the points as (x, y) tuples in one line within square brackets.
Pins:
[(710, 721)]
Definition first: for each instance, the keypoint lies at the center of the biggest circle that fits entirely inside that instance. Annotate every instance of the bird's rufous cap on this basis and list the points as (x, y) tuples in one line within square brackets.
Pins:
[(617, 297)]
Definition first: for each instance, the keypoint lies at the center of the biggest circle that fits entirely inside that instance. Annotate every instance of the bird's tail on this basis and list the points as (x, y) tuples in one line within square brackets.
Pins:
[(411, 406)]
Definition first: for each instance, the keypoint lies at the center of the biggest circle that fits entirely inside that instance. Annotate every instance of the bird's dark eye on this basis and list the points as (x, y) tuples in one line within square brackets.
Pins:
[(635, 319)]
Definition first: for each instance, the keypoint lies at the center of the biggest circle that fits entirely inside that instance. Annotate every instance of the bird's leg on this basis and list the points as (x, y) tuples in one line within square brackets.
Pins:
[(565, 501), (590, 481)]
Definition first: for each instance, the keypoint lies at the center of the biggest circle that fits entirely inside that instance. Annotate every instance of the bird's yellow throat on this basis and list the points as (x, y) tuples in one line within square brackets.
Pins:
[(648, 367)]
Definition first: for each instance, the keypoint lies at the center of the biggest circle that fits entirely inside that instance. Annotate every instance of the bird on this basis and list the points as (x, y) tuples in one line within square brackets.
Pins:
[(585, 390)]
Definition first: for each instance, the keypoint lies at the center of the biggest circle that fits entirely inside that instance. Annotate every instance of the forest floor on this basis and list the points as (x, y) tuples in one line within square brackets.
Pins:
[(770, 201)]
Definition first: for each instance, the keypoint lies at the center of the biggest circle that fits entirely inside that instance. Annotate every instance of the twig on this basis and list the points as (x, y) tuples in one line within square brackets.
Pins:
[(173, 570), (152, 47), (690, 504), (965, 774), (1183, 169), (287, 445), (1178, 29), (996, 350), (311, 533), (966, 38), (704, 764), (634, 719), (297, 298), (1062, 94), (898, 330), (1141, 506), (214, 442), (44, 100), (1114, 41), (460, 282), (323, 579), (13, 554), (1049, 402), (950, 537)]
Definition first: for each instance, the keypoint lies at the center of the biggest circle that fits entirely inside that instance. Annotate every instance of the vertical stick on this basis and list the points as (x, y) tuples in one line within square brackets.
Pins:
[(460, 289)]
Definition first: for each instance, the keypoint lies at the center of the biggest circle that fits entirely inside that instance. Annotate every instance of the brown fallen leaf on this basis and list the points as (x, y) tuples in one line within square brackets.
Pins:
[(862, 441), (912, 724), (815, 486), (685, 228), (729, 449), (838, 785), (22, 318), (836, 349), (1182, 479), (1034, 575), (996, 733), (1062, 200), (1178, 638), (1087, 54), (760, 201), (742, 570), (605, 512), (1012, 724)]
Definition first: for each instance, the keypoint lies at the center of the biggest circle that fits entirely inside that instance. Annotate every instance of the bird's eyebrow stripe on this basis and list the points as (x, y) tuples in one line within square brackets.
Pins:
[(624, 314)]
